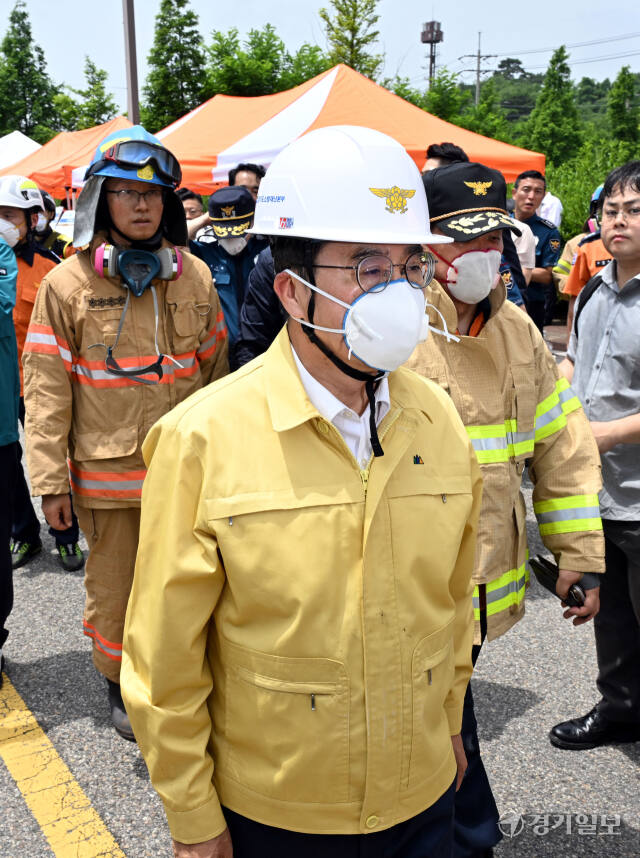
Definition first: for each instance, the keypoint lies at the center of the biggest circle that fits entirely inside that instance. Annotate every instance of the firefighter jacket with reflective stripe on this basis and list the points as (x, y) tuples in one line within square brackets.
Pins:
[(515, 407), (33, 265), (296, 633), (562, 268), (75, 406)]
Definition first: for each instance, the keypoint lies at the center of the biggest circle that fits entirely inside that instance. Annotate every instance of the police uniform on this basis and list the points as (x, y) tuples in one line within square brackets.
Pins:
[(540, 297)]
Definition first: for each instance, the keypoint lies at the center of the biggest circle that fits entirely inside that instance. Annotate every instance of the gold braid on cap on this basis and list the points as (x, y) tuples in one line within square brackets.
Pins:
[(466, 211)]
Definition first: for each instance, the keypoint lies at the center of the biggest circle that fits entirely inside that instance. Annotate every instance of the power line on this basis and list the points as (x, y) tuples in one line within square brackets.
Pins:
[(593, 59), (574, 45)]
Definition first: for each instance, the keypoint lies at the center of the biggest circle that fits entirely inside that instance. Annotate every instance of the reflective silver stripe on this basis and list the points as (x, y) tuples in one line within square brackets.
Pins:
[(568, 514), (549, 416), (565, 395), (91, 633), (512, 587), (111, 485), (207, 344), (49, 340), (489, 443), (520, 437)]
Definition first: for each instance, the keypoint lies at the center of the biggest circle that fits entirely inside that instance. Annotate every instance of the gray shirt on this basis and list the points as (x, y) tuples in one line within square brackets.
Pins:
[(606, 378)]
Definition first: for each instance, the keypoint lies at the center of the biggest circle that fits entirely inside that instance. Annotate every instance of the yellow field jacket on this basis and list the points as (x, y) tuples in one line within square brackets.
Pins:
[(298, 637), (85, 425), (515, 406)]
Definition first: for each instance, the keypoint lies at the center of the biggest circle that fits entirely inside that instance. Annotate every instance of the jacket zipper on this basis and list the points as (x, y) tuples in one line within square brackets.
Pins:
[(364, 475)]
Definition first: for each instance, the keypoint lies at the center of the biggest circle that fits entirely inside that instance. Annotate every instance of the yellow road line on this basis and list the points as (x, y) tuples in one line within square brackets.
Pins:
[(54, 797)]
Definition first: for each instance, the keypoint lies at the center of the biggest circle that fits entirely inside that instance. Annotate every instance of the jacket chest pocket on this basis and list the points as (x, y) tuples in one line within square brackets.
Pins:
[(101, 327), (286, 728), (187, 321), (432, 673), (523, 411)]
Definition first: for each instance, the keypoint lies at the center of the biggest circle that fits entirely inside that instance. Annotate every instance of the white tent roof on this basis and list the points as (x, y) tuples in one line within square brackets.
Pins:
[(14, 147)]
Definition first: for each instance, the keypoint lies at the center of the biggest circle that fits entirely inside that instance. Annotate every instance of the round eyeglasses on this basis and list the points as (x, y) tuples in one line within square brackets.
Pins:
[(374, 273)]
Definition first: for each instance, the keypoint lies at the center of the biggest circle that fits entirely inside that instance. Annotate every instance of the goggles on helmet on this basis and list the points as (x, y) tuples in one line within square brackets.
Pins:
[(137, 154)]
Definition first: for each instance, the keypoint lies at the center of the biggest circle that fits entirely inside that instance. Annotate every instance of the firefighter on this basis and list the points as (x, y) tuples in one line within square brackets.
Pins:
[(121, 332), (505, 385)]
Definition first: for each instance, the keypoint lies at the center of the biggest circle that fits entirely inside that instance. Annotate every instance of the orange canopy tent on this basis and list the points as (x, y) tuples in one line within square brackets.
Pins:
[(50, 167), (225, 130)]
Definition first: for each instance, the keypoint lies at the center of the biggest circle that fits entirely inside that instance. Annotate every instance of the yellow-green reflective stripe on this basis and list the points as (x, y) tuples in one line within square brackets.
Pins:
[(562, 267), (554, 425), (507, 590), (570, 502), (572, 526), (495, 431)]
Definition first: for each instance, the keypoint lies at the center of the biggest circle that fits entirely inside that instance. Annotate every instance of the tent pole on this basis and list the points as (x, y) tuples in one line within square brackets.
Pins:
[(133, 107)]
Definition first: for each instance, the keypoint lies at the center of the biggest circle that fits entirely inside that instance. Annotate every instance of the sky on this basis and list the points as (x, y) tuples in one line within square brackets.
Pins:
[(68, 30)]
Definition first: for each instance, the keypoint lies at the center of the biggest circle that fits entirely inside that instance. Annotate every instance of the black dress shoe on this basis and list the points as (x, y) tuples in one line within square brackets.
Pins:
[(591, 731), (119, 717)]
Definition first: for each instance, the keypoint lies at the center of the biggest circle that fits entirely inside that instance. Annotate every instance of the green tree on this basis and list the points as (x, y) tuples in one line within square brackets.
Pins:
[(516, 90), (96, 104), (26, 90), (553, 126), (622, 107), (176, 78), (487, 118), (445, 98), (575, 180), (260, 66), (402, 86), (351, 35)]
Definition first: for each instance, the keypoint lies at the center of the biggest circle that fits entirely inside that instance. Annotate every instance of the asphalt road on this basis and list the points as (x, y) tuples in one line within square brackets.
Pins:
[(539, 673)]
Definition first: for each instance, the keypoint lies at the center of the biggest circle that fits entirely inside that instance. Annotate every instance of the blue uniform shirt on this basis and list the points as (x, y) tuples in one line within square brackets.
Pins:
[(548, 246)]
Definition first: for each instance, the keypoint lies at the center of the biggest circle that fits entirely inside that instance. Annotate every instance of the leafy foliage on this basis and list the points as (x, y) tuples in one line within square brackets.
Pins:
[(260, 66), (623, 108), (26, 90), (176, 76), (553, 126), (575, 180), (351, 35)]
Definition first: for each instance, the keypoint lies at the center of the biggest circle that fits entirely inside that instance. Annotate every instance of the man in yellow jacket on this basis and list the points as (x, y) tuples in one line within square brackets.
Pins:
[(298, 638), (505, 385), (120, 333)]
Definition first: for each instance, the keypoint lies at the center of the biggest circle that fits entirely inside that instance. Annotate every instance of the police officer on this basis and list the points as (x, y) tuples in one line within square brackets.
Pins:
[(298, 642), (232, 254), (528, 193)]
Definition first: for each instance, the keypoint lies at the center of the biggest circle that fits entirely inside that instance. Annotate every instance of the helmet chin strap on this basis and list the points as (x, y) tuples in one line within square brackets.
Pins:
[(359, 375), (152, 243)]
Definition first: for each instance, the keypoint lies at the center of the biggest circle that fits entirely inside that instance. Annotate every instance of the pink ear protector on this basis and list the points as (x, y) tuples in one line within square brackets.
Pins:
[(106, 261)]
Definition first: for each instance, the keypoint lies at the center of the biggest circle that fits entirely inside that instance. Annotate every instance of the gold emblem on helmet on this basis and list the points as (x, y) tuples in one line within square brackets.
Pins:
[(396, 198), (146, 173), (479, 188), (227, 211)]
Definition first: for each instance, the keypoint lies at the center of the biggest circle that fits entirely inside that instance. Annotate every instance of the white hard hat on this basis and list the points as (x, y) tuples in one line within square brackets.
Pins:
[(20, 193), (345, 183)]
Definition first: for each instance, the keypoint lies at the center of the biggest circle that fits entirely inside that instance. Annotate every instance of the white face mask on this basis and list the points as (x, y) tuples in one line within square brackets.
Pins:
[(235, 245), (382, 328), (42, 223), (472, 275), (9, 232)]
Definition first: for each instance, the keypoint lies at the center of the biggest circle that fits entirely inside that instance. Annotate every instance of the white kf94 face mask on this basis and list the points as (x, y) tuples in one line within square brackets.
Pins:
[(472, 275), (9, 232), (382, 328)]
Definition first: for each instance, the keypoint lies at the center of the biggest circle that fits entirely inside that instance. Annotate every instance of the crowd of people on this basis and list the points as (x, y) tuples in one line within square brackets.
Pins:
[(294, 436)]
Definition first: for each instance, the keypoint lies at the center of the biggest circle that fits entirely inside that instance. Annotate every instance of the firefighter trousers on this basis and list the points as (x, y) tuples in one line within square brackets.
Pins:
[(112, 536)]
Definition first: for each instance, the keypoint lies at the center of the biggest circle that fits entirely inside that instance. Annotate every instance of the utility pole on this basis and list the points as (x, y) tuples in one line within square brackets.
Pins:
[(133, 106), (479, 56), (431, 35)]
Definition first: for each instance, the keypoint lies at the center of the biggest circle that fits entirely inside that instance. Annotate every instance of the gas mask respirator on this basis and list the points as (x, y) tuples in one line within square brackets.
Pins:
[(137, 269)]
